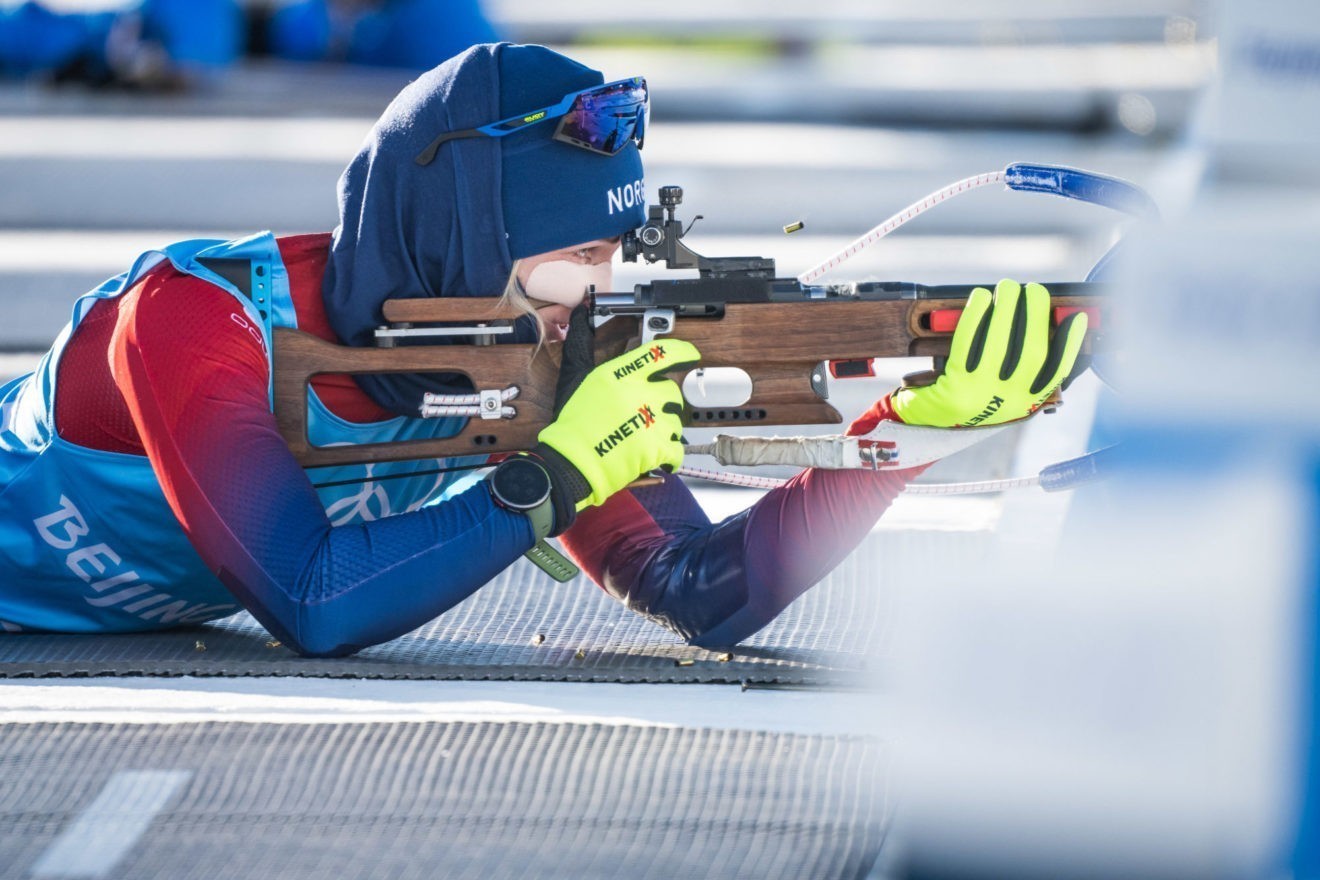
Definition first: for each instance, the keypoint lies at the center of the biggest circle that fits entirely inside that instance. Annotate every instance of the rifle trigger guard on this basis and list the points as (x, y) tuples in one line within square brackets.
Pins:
[(656, 322)]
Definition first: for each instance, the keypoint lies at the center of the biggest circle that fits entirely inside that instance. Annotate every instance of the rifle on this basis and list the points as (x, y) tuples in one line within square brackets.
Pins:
[(785, 334)]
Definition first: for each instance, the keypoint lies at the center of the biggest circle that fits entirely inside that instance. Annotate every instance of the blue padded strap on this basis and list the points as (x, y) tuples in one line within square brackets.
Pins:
[(1085, 186)]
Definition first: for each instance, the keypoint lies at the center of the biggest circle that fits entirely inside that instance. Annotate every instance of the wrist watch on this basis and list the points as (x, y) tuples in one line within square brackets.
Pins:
[(520, 485), (523, 486)]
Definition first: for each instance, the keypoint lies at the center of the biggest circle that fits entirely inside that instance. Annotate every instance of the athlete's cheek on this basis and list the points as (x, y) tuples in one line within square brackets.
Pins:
[(565, 282)]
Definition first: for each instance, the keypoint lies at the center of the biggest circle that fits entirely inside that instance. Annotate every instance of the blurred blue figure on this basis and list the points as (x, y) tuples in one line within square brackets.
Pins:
[(387, 33), (34, 39), (143, 43), (196, 33)]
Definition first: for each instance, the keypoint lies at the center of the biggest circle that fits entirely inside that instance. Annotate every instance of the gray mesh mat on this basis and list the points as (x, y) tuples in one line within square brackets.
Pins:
[(524, 626), (425, 800)]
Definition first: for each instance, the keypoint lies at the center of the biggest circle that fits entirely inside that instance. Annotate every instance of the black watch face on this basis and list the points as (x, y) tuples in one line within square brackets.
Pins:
[(520, 483)]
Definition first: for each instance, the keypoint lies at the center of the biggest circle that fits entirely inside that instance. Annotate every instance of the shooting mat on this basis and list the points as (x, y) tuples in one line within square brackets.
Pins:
[(524, 626)]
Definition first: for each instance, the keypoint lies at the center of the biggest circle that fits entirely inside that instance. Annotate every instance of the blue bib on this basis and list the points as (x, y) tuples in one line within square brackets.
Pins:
[(87, 540)]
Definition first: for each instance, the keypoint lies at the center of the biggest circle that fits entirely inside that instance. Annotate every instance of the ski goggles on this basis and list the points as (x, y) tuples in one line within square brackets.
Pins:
[(602, 119)]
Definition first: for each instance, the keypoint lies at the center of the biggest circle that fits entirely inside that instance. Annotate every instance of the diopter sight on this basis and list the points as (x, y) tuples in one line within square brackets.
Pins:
[(660, 240)]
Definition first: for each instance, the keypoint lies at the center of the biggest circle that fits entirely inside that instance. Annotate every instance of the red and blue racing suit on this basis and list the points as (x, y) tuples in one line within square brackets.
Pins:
[(175, 370)]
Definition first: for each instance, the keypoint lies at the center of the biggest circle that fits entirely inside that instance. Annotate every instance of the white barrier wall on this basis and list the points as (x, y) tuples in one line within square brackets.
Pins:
[(1136, 701)]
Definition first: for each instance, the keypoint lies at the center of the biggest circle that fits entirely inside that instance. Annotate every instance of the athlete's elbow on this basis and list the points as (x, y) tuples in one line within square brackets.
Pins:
[(320, 645), (320, 635)]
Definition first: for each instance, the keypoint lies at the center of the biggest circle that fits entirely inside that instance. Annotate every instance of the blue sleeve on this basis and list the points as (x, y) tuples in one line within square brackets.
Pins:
[(716, 584)]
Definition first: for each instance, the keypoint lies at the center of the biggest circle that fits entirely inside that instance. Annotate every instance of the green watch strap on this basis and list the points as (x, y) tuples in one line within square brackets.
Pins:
[(543, 555)]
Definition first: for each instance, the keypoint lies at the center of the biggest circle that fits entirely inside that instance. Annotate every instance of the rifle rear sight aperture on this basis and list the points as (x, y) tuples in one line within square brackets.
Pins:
[(660, 240)]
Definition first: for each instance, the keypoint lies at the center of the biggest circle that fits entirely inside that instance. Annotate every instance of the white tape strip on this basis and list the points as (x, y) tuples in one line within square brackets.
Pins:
[(101, 835)]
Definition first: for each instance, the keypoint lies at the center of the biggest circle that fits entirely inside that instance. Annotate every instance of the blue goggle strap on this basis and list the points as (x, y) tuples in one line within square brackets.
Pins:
[(513, 123), (503, 127)]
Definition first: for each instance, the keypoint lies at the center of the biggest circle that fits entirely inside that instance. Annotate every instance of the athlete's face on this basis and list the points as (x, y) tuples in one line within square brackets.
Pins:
[(557, 281)]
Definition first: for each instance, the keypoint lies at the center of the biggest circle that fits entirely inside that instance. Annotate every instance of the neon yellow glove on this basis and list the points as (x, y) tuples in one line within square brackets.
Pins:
[(1002, 362), (623, 420)]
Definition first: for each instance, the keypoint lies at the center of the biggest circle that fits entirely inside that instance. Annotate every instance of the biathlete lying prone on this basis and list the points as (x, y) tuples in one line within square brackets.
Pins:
[(146, 484)]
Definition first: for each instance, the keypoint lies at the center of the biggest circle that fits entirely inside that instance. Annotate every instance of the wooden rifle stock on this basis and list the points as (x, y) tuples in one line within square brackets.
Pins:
[(780, 345)]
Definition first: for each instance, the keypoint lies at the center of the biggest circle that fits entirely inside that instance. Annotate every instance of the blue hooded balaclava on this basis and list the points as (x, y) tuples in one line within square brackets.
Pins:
[(453, 227)]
